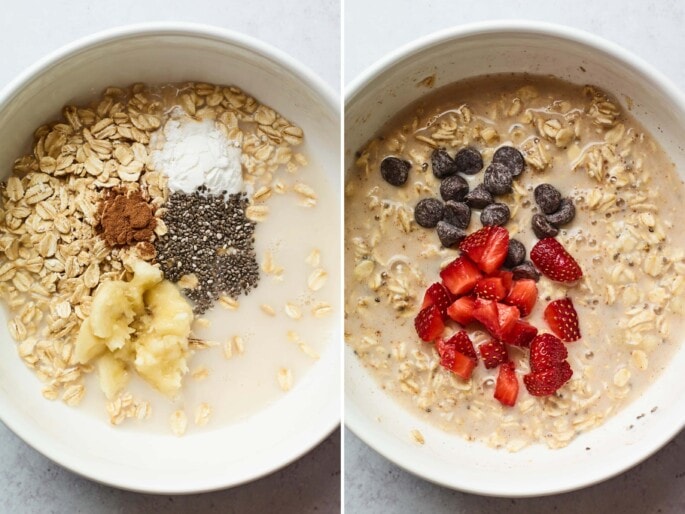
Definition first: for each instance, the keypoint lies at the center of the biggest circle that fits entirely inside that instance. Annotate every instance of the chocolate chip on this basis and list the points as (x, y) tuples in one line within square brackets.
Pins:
[(454, 188), (511, 158), (547, 197), (443, 164), (449, 234), (495, 214), (526, 270), (395, 171), (516, 253), (498, 179), (542, 227), (457, 214), (428, 212), (478, 198), (468, 161), (564, 214)]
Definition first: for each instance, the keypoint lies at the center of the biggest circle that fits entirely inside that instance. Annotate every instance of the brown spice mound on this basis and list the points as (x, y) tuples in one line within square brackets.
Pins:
[(126, 218)]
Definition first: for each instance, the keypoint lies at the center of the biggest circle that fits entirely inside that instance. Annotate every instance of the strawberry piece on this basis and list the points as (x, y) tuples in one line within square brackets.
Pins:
[(507, 386), (507, 280), (460, 275), (438, 295), (507, 316), (546, 351), (428, 323), (456, 362), (524, 294), (485, 311), (544, 383), (493, 353), (521, 334), (487, 247), (562, 318), (552, 259), (490, 288), (462, 343), (461, 310)]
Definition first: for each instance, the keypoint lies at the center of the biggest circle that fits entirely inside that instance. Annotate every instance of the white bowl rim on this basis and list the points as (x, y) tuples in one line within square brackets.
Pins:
[(319, 429), (360, 425)]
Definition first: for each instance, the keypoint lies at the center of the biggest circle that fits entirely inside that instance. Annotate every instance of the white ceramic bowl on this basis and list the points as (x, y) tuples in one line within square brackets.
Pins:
[(473, 50), (219, 457)]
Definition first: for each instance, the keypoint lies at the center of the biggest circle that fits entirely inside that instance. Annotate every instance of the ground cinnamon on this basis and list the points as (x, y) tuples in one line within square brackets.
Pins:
[(126, 218)]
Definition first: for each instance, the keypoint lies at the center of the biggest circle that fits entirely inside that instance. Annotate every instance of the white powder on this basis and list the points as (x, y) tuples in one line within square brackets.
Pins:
[(192, 153)]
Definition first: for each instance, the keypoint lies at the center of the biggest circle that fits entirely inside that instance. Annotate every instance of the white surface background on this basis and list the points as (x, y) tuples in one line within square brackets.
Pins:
[(652, 29), (308, 30)]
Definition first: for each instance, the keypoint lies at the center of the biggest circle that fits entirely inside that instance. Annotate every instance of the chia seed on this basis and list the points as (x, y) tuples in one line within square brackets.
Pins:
[(223, 264)]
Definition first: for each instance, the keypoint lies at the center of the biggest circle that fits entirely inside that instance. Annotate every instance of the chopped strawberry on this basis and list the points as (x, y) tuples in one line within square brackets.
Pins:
[(562, 318), (490, 288), (544, 383), (461, 310), (487, 247), (507, 316), (507, 386), (493, 353), (428, 323), (497, 318), (460, 276), (457, 362), (524, 294), (552, 259), (521, 334), (462, 343), (437, 294), (507, 280), (546, 351)]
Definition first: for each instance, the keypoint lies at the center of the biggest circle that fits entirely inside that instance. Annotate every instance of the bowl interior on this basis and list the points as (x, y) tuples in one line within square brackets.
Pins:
[(446, 458), (221, 456)]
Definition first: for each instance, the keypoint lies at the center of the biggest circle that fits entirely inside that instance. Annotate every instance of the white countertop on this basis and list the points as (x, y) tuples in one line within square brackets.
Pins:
[(649, 28), (308, 31)]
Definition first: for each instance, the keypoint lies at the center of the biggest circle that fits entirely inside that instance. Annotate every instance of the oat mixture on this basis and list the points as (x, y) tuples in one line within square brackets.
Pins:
[(626, 197), (87, 201)]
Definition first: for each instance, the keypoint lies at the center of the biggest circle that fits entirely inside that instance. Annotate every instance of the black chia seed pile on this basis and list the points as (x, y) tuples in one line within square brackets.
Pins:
[(209, 235)]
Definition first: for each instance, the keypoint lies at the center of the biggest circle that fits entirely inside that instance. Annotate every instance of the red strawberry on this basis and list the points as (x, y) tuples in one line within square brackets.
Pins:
[(487, 247), (507, 316), (461, 310), (544, 383), (507, 280), (521, 334), (429, 324), (562, 318), (490, 288), (437, 294), (524, 294), (485, 311), (493, 353), (507, 387), (462, 343), (460, 276), (552, 259), (546, 351), (457, 362)]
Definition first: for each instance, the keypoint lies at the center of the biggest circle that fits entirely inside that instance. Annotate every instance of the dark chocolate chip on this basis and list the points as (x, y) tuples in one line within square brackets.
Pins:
[(443, 164), (542, 227), (498, 179), (428, 212), (511, 158), (457, 214), (468, 161), (478, 198), (395, 171), (454, 188), (564, 214), (516, 253), (526, 270), (449, 234), (495, 214), (547, 197)]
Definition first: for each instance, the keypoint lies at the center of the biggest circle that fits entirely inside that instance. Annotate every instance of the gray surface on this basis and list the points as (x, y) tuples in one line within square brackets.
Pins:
[(651, 29), (309, 31)]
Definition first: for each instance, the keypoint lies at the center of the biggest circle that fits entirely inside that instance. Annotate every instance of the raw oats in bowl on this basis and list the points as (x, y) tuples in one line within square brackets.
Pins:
[(171, 322), (514, 264)]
